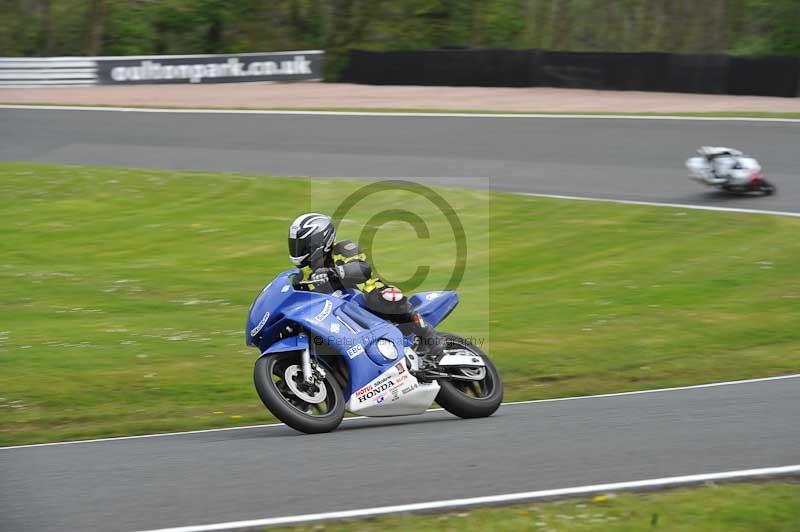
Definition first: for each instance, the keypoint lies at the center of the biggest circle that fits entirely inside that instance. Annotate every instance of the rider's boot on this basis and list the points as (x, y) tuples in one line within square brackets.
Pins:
[(429, 346)]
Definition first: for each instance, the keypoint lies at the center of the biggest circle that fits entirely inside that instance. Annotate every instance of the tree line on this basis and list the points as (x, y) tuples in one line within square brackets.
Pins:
[(133, 27)]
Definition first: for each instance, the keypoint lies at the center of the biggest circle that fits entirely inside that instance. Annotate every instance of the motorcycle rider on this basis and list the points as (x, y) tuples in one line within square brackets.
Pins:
[(720, 160), (332, 266)]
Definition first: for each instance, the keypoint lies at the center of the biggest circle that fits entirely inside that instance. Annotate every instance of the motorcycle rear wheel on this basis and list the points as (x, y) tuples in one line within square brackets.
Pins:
[(470, 399), (270, 375)]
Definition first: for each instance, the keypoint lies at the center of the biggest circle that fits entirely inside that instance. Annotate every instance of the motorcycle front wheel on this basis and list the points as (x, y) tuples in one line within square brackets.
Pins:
[(311, 409), (470, 399), (766, 188)]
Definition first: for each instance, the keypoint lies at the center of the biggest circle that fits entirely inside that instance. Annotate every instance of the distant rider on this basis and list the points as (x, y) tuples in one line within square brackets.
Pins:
[(334, 266), (721, 160)]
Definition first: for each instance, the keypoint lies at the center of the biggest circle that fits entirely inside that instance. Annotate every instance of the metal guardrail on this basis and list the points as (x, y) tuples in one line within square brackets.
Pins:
[(27, 72)]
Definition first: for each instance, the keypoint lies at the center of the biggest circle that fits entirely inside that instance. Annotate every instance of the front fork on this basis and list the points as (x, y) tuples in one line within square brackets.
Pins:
[(305, 359), (309, 374)]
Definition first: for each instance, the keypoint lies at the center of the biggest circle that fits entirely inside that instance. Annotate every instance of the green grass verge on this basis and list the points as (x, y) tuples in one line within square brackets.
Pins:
[(730, 507), (712, 114), (124, 292)]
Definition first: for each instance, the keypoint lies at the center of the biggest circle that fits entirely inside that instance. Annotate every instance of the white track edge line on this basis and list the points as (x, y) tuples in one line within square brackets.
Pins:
[(154, 435), (657, 390), (510, 403), (656, 204), (493, 499), (393, 113)]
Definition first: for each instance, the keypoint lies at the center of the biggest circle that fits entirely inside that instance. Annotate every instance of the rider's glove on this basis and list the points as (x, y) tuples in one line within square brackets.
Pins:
[(323, 278)]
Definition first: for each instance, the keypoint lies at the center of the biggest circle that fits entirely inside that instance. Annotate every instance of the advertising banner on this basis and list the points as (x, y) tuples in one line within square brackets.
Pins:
[(230, 68)]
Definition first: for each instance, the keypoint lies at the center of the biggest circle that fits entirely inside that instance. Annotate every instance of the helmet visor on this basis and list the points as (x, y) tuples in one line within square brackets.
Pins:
[(301, 248), (294, 247)]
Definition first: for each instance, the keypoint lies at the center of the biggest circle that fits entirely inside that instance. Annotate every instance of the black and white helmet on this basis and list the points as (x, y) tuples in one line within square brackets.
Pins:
[(311, 235)]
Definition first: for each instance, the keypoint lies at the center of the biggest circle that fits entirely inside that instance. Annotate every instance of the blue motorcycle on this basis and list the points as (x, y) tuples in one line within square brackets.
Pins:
[(324, 354)]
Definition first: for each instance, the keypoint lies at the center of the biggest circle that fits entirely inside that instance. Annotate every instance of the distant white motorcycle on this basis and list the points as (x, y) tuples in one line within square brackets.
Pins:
[(729, 170)]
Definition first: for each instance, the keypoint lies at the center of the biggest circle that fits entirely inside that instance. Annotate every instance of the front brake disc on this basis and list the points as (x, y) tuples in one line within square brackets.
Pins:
[(315, 396)]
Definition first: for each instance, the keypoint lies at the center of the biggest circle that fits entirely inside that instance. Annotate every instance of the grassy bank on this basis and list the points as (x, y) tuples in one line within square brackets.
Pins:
[(124, 292), (733, 507)]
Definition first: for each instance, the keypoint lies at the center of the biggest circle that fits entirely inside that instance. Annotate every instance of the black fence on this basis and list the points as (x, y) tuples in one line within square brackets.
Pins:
[(711, 74)]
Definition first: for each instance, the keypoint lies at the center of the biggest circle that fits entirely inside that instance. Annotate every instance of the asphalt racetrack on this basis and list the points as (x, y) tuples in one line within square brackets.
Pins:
[(231, 475), (640, 160)]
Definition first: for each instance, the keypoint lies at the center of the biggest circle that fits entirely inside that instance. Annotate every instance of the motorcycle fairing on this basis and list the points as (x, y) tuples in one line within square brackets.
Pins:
[(393, 393), (434, 307), (292, 343), (261, 323), (742, 172), (335, 325)]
